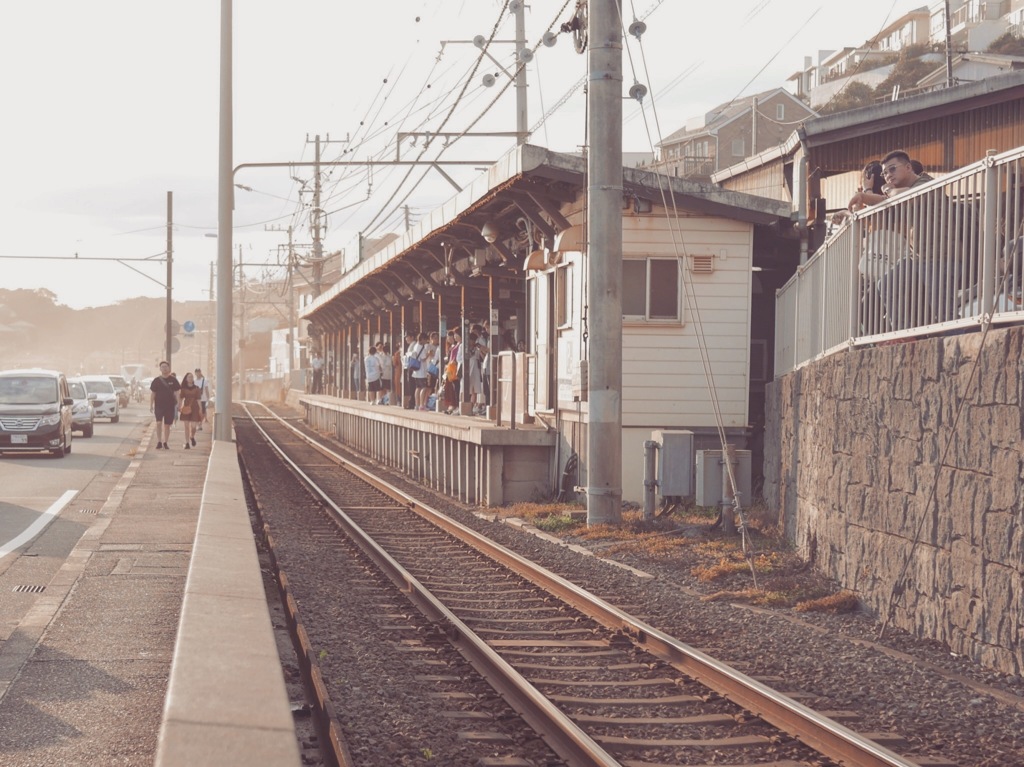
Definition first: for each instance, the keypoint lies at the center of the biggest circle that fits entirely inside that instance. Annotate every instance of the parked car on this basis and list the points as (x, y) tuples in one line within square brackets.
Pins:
[(124, 394), (35, 412), (81, 411), (106, 402)]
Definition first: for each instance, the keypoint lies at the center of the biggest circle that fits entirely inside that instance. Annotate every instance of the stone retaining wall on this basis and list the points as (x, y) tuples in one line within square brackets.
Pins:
[(853, 444)]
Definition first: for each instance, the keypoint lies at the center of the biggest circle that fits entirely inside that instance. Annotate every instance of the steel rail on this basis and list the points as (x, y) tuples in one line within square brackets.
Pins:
[(562, 734), (821, 733)]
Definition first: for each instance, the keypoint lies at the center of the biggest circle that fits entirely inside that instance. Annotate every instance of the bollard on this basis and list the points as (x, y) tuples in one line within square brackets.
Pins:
[(650, 483)]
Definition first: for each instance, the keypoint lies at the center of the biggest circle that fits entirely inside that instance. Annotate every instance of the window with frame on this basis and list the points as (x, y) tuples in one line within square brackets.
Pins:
[(563, 297), (780, 111), (650, 289), (738, 147)]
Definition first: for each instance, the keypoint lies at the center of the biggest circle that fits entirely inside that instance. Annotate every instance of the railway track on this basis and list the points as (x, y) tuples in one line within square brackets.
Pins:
[(589, 684)]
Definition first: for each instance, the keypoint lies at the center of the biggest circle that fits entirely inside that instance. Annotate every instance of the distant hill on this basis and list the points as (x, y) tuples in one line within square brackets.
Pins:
[(36, 331)]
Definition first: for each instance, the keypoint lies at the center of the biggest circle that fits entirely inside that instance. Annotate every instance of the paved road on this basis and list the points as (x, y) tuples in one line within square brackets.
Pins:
[(46, 504)]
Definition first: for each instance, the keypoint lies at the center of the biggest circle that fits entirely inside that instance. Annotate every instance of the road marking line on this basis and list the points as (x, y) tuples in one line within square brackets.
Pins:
[(37, 527)]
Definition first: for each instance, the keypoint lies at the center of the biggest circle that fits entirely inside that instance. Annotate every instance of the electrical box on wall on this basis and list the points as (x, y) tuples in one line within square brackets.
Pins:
[(709, 477), (579, 381), (675, 462)]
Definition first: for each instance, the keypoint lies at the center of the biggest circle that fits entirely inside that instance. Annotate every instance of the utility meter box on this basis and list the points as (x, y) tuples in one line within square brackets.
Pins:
[(675, 462), (710, 468), (579, 381)]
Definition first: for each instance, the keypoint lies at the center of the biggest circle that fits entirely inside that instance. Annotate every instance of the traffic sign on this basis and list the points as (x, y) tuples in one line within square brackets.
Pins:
[(175, 327), (189, 326), (175, 344)]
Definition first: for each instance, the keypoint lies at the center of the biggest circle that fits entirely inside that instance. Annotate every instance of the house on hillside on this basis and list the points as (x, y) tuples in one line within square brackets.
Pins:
[(729, 133), (870, 63), (971, 67), (973, 25)]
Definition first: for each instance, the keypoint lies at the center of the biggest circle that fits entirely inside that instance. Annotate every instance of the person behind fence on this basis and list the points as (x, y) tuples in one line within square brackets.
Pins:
[(384, 355), (923, 287), (371, 366)]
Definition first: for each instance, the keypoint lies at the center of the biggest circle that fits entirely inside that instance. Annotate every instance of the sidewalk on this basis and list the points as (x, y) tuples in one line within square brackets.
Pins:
[(84, 675)]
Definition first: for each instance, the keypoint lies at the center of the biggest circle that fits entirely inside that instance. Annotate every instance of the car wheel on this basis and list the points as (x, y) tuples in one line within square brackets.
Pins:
[(87, 431), (115, 418), (58, 453)]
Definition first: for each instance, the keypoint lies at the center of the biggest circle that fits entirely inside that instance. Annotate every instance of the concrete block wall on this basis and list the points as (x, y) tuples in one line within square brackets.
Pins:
[(882, 488)]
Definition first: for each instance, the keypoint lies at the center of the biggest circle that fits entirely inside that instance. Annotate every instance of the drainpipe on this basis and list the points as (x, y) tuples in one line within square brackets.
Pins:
[(801, 210)]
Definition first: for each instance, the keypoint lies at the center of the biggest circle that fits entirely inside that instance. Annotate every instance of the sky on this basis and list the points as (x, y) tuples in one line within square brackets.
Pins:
[(109, 105)]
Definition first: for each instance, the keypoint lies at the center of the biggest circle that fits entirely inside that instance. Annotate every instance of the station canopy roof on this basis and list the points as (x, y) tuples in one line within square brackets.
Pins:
[(518, 202)]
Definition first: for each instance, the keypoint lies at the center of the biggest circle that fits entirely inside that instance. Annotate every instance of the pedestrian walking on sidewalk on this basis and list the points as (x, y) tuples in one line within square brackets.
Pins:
[(204, 398), (191, 409), (163, 403)]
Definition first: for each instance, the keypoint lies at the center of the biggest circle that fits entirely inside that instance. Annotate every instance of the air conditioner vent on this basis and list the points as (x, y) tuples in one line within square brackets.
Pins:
[(703, 264)]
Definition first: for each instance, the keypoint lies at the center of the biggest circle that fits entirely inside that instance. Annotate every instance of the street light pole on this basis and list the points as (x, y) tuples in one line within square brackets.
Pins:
[(222, 422), (170, 235)]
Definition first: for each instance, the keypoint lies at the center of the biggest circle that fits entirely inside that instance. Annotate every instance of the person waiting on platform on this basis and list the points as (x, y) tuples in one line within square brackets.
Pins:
[(418, 356), (317, 364), (371, 366), (384, 356)]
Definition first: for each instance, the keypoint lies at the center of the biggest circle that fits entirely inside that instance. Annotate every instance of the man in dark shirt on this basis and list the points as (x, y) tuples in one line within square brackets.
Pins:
[(163, 402)]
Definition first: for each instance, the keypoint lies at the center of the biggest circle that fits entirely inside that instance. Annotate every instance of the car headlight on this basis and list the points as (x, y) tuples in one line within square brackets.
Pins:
[(50, 420)]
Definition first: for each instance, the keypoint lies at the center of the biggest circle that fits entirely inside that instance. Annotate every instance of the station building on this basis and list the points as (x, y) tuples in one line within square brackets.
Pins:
[(700, 268)]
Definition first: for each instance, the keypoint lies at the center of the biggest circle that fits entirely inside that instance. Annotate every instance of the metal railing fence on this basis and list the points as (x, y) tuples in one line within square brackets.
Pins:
[(941, 256)]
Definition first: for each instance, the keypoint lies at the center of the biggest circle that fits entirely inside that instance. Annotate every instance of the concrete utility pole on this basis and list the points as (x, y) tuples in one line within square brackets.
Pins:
[(949, 48), (241, 326), (604, 265), (318, 245), (291, 297), (170, 238), (209, 331), (225, 203), (522, 124)]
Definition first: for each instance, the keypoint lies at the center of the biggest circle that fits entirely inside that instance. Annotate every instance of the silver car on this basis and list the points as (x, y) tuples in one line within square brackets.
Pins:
[(81, 411), (105, 402)]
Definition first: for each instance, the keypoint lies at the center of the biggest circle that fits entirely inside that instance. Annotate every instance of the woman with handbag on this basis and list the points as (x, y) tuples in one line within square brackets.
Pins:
[(190, 409)]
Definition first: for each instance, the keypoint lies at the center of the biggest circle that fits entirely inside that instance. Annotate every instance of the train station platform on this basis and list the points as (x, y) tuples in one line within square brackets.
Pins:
[(474, 460), (152, 643)]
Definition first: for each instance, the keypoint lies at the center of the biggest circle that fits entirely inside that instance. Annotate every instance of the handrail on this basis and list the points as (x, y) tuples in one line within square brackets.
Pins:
[(942, 256)]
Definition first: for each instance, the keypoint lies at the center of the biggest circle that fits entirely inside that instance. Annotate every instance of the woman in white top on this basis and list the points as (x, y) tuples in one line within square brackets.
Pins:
[(384, 355), (418, 364)]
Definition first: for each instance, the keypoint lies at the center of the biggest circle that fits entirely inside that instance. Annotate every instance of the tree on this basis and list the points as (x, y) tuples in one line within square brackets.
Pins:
[(854, 95), (1007, 45), (909, 68)]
